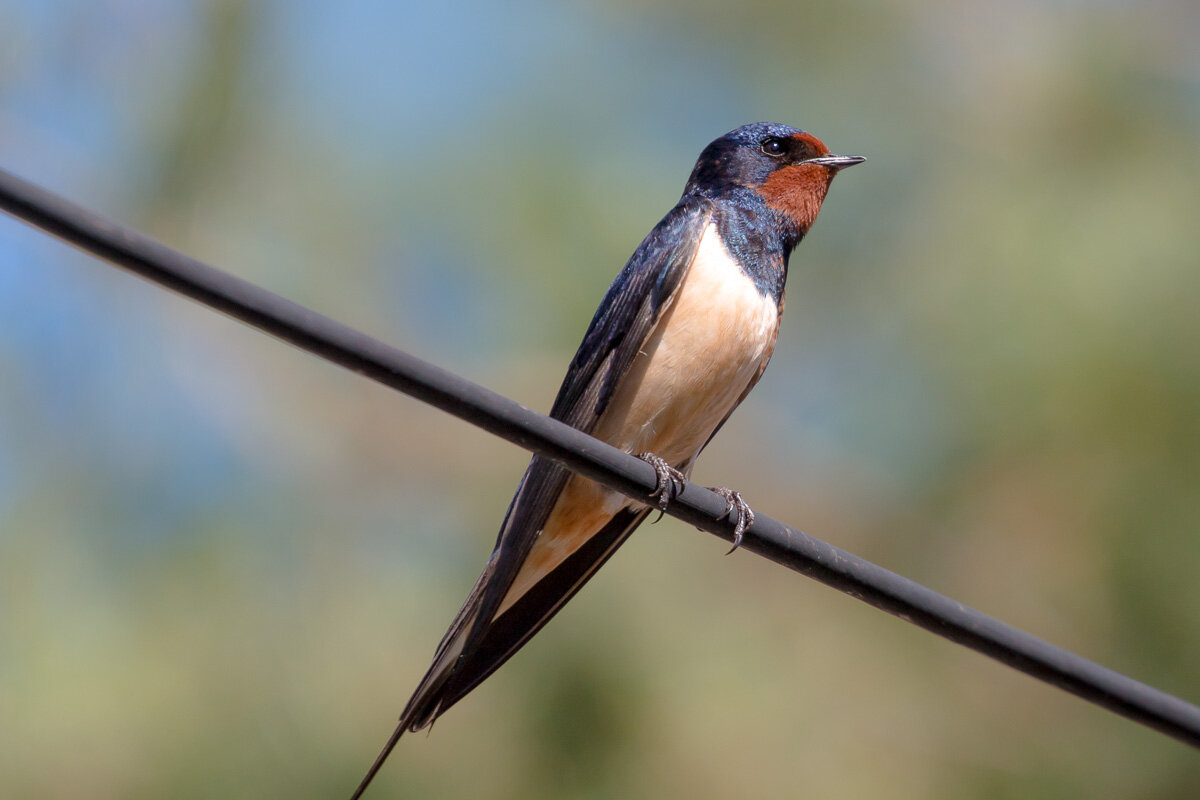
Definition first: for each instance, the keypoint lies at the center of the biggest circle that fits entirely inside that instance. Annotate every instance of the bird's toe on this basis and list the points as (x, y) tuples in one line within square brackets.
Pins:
[(669, 481), (737, 509)]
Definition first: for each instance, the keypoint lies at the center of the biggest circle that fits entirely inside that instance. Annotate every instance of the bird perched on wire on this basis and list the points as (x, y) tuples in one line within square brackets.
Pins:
[(680, 339)]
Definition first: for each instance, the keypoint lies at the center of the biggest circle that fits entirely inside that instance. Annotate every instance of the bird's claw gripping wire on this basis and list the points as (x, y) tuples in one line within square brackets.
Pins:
[(668, 482), (738, 510)]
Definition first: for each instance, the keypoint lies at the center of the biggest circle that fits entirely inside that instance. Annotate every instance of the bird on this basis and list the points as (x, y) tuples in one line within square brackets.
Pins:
[(682, 335)]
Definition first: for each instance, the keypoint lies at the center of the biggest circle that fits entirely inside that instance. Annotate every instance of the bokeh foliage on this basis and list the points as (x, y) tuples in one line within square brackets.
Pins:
[(223, 564)]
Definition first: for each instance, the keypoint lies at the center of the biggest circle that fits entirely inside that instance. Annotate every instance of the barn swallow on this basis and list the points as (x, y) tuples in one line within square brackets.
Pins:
[(680, 339)]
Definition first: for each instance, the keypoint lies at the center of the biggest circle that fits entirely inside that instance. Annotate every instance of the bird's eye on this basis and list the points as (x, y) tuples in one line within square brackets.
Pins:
[(773, 146)]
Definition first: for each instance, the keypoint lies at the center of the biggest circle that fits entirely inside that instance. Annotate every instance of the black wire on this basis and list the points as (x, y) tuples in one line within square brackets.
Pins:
[(697, 506)]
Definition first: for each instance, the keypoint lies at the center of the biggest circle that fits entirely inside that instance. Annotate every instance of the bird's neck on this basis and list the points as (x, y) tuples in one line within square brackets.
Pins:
[(758, 239)]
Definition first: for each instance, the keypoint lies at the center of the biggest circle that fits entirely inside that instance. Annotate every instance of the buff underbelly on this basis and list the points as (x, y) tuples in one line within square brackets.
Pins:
[(706, 349)]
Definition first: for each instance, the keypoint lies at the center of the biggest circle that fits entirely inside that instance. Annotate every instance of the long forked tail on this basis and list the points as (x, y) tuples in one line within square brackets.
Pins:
[(383, 754), (451, 677), (422, 708)]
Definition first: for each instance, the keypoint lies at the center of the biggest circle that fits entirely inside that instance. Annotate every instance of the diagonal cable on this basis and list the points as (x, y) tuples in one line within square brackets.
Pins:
[(510, 420)]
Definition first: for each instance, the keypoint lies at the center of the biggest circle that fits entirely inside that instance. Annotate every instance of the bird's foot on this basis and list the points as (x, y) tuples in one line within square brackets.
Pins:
[(669, 482), (738, 510)]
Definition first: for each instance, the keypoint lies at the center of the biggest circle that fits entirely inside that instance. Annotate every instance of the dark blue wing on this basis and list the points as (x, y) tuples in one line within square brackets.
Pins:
[(628, 312), (478, 642)]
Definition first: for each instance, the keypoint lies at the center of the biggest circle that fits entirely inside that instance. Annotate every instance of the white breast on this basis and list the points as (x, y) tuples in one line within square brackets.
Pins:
[(706, 349)]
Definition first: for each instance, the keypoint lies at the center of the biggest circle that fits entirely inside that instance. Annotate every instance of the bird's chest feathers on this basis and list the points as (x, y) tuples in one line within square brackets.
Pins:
[(709, 345)]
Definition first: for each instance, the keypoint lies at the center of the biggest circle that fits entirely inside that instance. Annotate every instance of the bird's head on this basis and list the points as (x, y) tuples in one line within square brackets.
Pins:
[(788, 168)]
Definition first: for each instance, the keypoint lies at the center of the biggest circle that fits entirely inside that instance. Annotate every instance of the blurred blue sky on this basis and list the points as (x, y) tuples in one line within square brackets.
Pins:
[(406, 120), (425, 110), (376, 82)]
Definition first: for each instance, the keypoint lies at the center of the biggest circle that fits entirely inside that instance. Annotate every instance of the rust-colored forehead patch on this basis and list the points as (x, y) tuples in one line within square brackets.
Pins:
[(816, 144)]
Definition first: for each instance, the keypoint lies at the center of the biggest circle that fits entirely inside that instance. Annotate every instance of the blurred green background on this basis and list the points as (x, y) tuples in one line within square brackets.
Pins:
[(224, 564)]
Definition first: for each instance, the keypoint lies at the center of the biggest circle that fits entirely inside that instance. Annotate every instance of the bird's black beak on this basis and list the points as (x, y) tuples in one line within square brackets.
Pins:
[(836, 162)]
